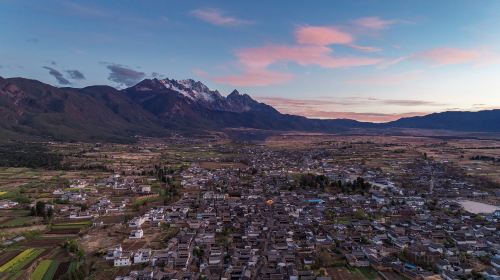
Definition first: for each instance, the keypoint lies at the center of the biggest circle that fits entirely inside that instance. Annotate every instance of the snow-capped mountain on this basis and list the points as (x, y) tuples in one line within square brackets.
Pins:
[(33, 110), (194, 90), (193, 93)]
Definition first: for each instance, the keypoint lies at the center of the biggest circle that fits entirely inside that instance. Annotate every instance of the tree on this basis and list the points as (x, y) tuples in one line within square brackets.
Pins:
[(40, 208), (33, 211), (50, 212)]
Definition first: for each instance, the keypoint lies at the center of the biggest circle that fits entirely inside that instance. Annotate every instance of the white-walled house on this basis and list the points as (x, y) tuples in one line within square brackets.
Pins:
[(142, 256), (137, 221), (123, 260), (136, 234)]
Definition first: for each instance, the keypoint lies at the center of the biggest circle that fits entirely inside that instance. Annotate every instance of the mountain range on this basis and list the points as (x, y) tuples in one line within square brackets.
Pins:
[(32, 110)]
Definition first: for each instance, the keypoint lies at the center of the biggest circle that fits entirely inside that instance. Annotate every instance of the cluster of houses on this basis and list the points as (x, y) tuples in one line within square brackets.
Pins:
[(248, 224)]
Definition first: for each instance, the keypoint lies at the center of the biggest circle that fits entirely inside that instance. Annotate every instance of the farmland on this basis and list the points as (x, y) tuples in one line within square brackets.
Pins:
[(72, 225), (41, 269), (69, 227), (16, 222), (23, 259), (53, 269)]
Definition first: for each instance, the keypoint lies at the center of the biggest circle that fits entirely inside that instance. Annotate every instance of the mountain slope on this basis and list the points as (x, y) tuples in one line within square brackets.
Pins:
[(189, 104), (32, 110), (99, 113), (482, 121)]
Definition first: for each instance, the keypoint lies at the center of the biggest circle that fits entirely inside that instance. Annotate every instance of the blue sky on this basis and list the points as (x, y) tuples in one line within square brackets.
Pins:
[(369, 60)]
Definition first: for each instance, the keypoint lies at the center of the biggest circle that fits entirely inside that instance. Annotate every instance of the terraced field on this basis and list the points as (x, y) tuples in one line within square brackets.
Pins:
[(69, 227), (52, 269), (13, 268), (40, 270)]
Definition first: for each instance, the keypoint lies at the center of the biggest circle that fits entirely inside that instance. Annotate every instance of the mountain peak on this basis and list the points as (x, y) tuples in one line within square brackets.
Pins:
[(193, 90), (234, 93), (149, 85)]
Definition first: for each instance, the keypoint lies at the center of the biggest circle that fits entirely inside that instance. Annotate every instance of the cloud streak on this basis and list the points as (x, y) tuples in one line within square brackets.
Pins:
[(445, 56), (58, 75), (123, 75), (217, 17), (83, 10), (326, 108), (374, 23), (312, 47), (448, 56), (75, 74), (322, 36), (365, 117)]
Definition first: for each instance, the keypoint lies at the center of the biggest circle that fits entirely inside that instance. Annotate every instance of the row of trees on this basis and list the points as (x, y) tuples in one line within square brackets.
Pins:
[(42, 210), (323, 183), (28, 155)]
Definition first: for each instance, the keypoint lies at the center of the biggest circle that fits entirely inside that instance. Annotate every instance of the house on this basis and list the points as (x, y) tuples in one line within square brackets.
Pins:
[(123, 260), (142, 256), (136, 222), (145, 189), (136, 234), (80, 215), (114, 253), (357, 261), (5, 204)]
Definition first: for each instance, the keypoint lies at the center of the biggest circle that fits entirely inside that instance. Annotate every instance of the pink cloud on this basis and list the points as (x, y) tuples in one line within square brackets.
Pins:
[(326, 109), (255, 61), (365, 117), (375, 23), (217, 17), (311, 48), (447, 56), (322, 36), (303, 55), (365, 48)]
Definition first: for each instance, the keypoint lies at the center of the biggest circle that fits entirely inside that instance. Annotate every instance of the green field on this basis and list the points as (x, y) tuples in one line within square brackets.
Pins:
[(49, 274), (77, 225), (41, 269), (72, 267), (17, 222), (364, 272), (19, 261)]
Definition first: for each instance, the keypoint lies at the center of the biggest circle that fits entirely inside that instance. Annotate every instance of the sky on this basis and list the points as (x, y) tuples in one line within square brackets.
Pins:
[(366, 60)]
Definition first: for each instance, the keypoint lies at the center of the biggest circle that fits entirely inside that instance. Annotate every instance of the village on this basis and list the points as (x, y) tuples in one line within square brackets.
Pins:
[(336, 208)]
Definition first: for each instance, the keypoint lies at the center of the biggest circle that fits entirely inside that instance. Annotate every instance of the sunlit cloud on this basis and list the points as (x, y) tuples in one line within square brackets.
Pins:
[(364, 117), (217, 17), (451, 56), (349, 107), (375, 23), (255, 63), (322, 36), (312, 48), (365, 48), (302, 55)]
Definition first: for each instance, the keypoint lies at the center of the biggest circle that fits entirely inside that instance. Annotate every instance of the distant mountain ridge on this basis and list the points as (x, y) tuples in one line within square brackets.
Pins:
[(481, 121), (32, 110)]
